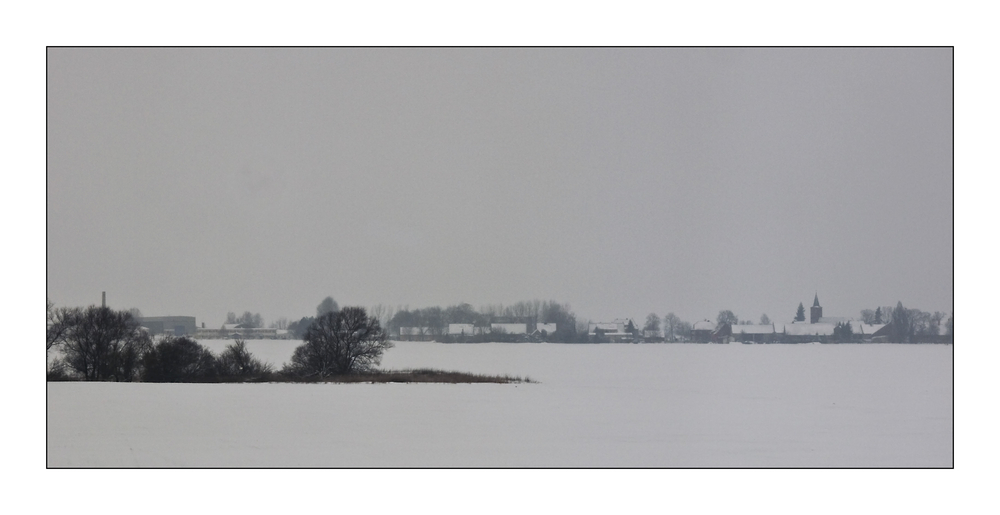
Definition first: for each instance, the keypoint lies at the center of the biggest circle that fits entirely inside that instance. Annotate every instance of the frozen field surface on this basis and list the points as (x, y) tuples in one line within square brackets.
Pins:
[(594, 406)]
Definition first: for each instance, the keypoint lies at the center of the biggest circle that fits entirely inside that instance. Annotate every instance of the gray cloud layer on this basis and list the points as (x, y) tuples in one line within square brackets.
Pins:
[(622, 181)]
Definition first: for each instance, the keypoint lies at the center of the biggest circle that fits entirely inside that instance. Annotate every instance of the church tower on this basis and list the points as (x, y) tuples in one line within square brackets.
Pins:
[(816, 311)]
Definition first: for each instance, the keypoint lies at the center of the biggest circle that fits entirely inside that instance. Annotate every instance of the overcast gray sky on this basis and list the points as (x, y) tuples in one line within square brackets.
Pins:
[(621, 181)]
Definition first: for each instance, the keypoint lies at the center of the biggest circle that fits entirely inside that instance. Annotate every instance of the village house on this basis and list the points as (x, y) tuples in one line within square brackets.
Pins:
[(702, 331), (617, 331)]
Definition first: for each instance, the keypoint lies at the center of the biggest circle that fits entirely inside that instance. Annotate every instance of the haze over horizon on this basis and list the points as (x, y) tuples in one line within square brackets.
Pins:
[(620, 181)]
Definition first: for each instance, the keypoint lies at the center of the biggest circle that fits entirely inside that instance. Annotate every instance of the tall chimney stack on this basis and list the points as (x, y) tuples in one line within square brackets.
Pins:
[(102, 300)]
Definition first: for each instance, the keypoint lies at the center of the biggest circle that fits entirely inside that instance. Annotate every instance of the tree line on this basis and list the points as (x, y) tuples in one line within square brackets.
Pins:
[(102, 344), (911, 322), (908, 325), (437, 319)]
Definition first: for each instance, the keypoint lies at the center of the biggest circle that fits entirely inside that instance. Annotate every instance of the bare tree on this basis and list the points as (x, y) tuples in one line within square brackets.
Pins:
[(461, 314), (921, 322), (492, 310), (683, 329), (552, 312), (390, 312), (432, 319), (58, 323), (249, 320), (727, 317), (868, 316), (887, 313), (765, 320), (670, 323), (524, 309), (340, 342), (383, 313), (652, 323), (378, 313), (103, 344), (328, 305), (935, 324)]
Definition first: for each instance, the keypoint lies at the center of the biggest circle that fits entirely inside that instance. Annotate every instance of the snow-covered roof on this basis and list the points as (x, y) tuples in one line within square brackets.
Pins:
[(703, 325), (604, 326), (753, 329), (805, 329), (862, 328)]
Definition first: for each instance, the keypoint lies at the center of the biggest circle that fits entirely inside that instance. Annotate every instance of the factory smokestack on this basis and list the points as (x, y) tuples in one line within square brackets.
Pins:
[(102, 300)]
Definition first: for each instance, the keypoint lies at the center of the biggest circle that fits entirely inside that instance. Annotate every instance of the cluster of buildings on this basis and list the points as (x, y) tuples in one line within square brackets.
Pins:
[(818, 329), (187, 326), (526, 327)]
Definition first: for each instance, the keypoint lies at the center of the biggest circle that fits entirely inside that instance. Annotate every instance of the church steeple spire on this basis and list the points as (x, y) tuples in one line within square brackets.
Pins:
[(816, 311)]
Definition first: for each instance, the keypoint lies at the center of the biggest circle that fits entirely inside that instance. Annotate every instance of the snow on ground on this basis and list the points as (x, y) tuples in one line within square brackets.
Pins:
[(595, 406)]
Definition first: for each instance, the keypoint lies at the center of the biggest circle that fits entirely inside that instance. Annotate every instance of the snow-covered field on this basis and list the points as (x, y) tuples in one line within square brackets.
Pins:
[(594, 406)]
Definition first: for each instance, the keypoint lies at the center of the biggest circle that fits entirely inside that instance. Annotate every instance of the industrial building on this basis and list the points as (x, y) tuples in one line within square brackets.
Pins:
[(177, 326)]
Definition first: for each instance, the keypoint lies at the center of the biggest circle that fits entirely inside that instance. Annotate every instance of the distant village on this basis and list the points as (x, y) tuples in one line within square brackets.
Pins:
[(818, 329), (552, 322)]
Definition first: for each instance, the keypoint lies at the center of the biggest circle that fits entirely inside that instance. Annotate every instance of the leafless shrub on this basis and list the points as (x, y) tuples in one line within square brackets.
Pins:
[(237, 362), (178, 359)]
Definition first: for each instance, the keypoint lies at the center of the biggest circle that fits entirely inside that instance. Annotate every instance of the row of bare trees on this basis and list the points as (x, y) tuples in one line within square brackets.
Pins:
[(102, 344), (911, 322), (671, 327)]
